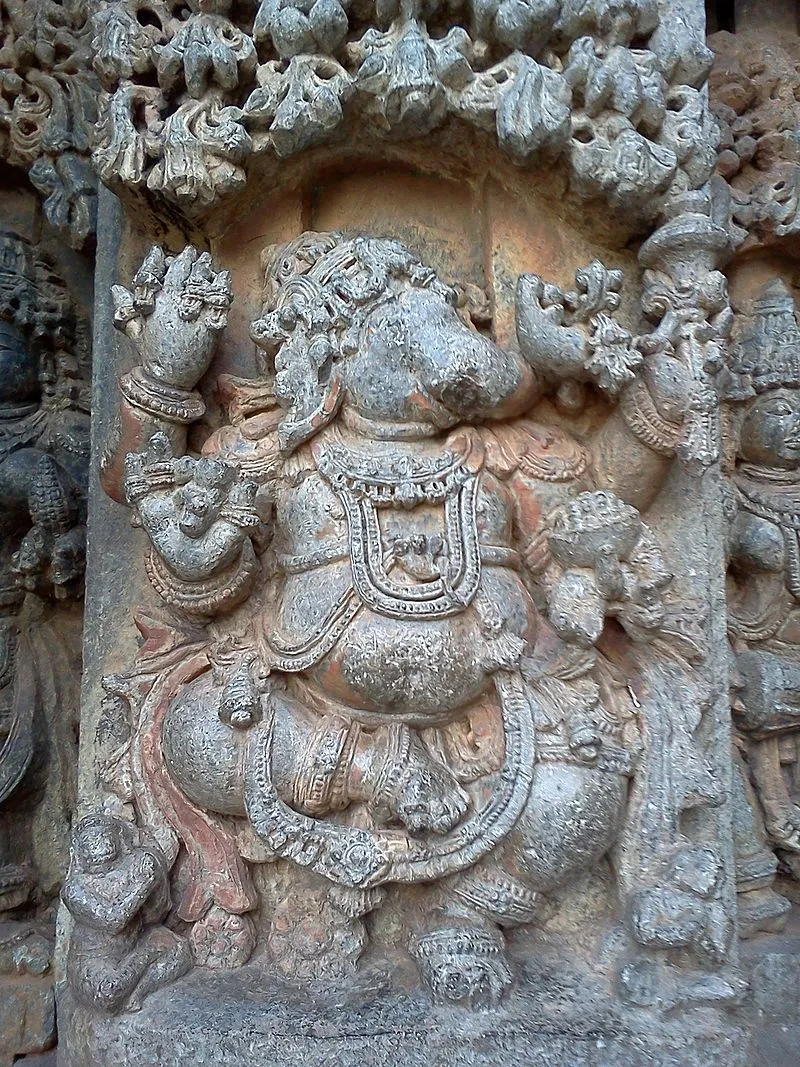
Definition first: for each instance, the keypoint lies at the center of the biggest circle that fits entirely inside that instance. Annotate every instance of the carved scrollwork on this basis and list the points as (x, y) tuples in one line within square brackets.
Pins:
[(47, 109), (545, 79)]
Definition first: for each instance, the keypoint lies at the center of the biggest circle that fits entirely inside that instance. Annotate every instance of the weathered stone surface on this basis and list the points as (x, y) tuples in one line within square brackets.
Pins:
[(753, 88), (27, 1016), (48, 106), (44, 449), (194, 101), (761, 597), (433, 705), (574, 1025)]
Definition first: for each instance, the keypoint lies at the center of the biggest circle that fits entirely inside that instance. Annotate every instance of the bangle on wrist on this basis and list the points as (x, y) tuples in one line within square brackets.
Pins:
[(160, 399)]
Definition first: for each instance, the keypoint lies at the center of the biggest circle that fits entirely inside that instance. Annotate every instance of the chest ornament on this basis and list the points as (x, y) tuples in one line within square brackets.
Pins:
[(366, 484)]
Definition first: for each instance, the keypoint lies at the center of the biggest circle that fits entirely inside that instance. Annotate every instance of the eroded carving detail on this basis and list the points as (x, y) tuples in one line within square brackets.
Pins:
[(44, 455), (117, 891), (763, 593), (753, 89)]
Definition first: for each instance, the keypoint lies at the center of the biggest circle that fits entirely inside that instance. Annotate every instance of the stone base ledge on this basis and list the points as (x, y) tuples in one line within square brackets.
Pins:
[(213, 1019)]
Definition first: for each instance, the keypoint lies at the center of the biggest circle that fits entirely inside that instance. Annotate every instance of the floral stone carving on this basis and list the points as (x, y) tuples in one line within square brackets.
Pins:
[(384, 674), (193, 98)]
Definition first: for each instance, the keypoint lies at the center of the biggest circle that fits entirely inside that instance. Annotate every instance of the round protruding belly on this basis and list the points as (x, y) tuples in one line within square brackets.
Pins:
[(420, 671)]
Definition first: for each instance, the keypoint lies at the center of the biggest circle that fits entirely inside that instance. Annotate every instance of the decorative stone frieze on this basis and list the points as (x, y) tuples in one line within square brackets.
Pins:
[(192, 101), (48, 97)]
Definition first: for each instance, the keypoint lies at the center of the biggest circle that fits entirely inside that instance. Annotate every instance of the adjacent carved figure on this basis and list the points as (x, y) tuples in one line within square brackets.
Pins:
[(387, 659), (43, 470), (116, 890), (44, 461), (764, 590)]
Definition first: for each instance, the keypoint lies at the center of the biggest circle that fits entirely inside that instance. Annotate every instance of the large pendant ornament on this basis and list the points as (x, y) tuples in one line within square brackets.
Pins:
[(366, 487)]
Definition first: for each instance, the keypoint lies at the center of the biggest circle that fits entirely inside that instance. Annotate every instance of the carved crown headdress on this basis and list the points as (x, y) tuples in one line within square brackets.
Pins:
[(327, 283), (769, 353), (319, 291)]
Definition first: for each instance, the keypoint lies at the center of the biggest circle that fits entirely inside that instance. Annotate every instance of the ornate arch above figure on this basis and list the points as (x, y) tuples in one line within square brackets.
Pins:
[(195, 101)]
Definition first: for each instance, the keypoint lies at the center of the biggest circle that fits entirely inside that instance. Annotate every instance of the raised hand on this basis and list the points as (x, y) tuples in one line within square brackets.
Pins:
[(573, 334), (178, 306)]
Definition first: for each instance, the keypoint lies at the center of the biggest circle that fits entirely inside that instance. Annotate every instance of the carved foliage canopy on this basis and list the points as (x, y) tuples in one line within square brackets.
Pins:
[(193, 92)]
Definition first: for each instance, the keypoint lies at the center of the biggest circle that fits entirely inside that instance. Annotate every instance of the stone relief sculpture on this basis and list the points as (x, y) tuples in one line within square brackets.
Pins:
[(385, 658), (430, 707), (762, 596), (117, 890), (414, 667), (753, 96), (43, 471)]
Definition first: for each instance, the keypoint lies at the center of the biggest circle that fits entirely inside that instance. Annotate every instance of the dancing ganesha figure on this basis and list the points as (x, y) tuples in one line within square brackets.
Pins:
[(401, 678)]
